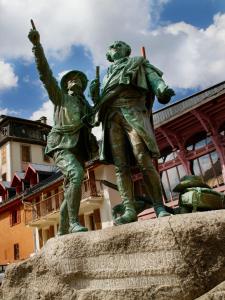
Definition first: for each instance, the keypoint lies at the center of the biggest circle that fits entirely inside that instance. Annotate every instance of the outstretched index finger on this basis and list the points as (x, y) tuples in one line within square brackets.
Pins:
[(32, 24)]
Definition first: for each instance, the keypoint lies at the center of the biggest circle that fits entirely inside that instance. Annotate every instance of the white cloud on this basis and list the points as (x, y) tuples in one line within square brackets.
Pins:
[(97, 131), (190, 57), (61, 74), (45, 110), (194, 57), (62, 24), (8, 112), (8, 79)]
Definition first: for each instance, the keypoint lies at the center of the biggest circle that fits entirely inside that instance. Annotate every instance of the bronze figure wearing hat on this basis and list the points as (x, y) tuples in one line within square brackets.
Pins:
[(68, 141)]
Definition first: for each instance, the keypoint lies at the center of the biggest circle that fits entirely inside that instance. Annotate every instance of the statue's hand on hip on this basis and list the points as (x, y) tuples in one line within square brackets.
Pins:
[(165, 95)]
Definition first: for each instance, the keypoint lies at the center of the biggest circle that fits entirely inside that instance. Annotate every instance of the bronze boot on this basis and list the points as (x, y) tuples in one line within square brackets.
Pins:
[(73, 201), (160, 211), (129, 215), (63, 220)]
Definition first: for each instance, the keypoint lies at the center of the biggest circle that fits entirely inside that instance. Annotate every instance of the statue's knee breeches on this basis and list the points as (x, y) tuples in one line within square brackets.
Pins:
[(70, 166), (145, 161), (76, 176)]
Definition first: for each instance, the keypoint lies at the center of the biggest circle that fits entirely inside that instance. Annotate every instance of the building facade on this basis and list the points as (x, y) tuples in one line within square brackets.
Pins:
[(191, 137), (21, 142)]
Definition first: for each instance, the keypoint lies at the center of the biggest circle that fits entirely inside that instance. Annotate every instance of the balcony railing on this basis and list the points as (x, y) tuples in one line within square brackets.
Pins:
[(91, 188), (2, 268), (51, 205)]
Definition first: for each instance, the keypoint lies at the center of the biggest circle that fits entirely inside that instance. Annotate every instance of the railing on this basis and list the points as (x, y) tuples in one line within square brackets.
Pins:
[(43, 207), (91, 189), (2, 268), (52, 204)]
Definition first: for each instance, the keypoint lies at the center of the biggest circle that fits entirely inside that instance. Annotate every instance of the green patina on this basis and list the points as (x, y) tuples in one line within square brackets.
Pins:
[(124, 107), (70, 140)]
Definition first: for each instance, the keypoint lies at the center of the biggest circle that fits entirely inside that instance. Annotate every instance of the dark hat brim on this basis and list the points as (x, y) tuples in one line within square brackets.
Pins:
[(67, 76), (188, 182)]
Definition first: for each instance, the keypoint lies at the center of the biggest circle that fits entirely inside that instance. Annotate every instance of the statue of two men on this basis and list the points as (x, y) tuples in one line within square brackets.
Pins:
[(124, 108)]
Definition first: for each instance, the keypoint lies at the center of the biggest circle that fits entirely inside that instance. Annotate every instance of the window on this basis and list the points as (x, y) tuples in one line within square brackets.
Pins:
[(45, 157), (51, 232), (48, 202), (57, 205), (92, 222), (97, 219), (37, 213), (4, 177), (167, 155), (198, 141), (209, 168), (40, 237), (15, 217), (170, 178), (3, 152), (16, 251), (25, 153)]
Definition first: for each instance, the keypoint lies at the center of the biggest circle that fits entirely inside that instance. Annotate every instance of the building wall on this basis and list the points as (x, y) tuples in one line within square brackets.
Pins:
[(36, 156), (7, 164), (111, 196), (17, 234)]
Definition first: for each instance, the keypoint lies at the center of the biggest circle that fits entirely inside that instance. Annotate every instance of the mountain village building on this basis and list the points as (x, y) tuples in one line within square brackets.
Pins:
[(191, 137)]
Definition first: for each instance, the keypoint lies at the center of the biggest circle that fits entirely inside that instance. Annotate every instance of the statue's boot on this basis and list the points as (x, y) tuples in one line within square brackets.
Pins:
[(153, 188), (75, 226), (63, 219), (73, 196), (129, 215), (160, 211)]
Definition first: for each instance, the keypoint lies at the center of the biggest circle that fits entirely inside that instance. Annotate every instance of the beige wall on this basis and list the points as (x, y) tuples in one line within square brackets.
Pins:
[(16, 157), (13, 158), (111, 196), (6, 167), (36, 157)]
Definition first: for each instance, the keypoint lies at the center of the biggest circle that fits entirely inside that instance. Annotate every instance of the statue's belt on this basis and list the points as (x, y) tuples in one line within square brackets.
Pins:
[(127, 101), (70, 129)]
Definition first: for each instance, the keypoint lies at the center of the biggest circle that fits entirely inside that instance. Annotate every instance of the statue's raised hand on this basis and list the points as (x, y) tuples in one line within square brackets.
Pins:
[(34, 36)]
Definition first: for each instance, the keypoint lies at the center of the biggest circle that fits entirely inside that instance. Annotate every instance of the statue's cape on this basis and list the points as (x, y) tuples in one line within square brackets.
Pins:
[(128, 71)]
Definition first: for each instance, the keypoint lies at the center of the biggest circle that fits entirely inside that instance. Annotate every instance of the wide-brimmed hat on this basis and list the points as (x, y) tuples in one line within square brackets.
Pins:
[(77, 73), (189, 181)]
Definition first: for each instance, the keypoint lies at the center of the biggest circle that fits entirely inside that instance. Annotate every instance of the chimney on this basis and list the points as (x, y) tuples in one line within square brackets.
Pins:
[(43, 120)]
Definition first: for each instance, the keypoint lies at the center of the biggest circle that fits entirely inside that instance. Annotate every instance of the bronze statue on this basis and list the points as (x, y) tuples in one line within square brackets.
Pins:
[(124, 107), (69, 140)]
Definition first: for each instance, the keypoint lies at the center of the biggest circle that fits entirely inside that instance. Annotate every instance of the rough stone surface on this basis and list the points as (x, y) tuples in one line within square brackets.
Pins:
[(218, 293), (173, 258)]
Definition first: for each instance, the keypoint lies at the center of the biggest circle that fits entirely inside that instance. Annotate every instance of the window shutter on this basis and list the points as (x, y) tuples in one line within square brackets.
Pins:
[(97, 219), (81, 220), (18, 216), (92, 183), (10, 219)]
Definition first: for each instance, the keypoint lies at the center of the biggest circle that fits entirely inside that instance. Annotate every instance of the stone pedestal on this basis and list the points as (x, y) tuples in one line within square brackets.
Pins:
[(175, 258)]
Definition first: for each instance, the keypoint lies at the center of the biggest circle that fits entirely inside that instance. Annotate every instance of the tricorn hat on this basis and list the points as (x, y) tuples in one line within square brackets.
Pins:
[(70, 74), (189, 181)]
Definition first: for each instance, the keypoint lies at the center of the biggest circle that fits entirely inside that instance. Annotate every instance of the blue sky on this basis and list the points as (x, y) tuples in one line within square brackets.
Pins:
[(184, 38)]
